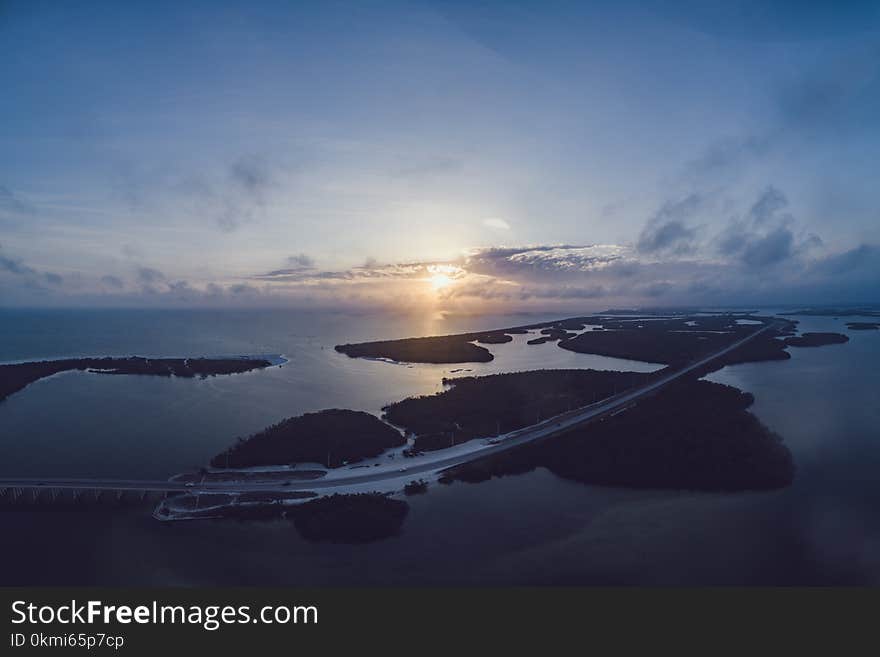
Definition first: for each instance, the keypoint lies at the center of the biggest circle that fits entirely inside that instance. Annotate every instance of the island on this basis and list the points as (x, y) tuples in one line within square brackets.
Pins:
[(678, 341), (863, 311), (332, 437), (692, 435), (645, 345), (689, 434), (416, 487), (437, 349), (816, 339), (863, 326), (338, 518), (17, 376), (473, 407), (552, 334), (358, 518), (670, 340), (458, 348)]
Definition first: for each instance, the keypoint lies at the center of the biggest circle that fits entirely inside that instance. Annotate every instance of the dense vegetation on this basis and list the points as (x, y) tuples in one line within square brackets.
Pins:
[(647, 345), (837, 312), (416, 487), (439, 349), (692, 435), (17, 376), (331, 437), (484, 406), (495, 338), (349, 518), (551, 335), (436, 349), (457, 348), (650, 338), (762, 348), (676, 341), (816, 339), (357, 518)]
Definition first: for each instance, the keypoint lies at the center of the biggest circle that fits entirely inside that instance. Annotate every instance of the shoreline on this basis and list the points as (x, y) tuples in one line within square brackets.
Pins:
[(401, 481), (15, 377)]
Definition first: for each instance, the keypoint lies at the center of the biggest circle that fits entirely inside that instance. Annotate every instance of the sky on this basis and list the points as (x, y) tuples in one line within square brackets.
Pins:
[(460, 156)]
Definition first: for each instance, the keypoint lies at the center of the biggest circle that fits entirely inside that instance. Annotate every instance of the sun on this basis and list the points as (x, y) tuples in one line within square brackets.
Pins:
[(439, 281), (441, 276)]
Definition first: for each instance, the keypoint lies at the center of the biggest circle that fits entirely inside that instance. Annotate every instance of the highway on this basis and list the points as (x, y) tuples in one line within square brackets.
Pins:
[(428, 464)]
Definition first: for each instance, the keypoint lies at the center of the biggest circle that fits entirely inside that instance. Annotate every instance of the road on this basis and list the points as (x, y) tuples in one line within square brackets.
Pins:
[(425, 465)]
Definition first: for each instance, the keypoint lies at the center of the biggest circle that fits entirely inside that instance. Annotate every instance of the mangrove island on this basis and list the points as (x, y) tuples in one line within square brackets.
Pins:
[(17, 376)]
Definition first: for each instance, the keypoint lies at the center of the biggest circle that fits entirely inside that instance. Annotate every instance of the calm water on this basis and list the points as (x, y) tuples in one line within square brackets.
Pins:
[(533, 528), (85, 424)]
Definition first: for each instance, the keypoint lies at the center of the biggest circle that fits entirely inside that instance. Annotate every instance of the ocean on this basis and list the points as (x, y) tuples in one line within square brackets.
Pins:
[(526, 529)]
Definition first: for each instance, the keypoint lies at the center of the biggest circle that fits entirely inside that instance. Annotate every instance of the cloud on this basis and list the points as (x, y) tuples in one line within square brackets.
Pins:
[(237, 195), (15, 266), (12, 203), (769, 249), (768, 204), (564, 277), (243, 290), (723, 157), (656, 289), (733, 239), (132, 251), (492, 290), (565, 292), (567, 275), (667, 232), (495, 222), (299, 267), (553, 271), (183, 291), (543, 261), (148, 275), (814, 99), (517, 274), (249, 178), (835, 99), (251, 174), (851, 276), (764, 237), (112, 282), (863, 260), (669, 235), (31, 277), (371, 270), (301, 261)]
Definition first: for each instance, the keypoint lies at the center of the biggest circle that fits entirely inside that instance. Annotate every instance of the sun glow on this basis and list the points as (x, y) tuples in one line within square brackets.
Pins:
[(439, 281), (440, 276)]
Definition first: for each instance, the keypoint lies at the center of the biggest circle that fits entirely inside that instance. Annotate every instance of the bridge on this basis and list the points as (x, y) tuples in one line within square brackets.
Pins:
[(344, 480)]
